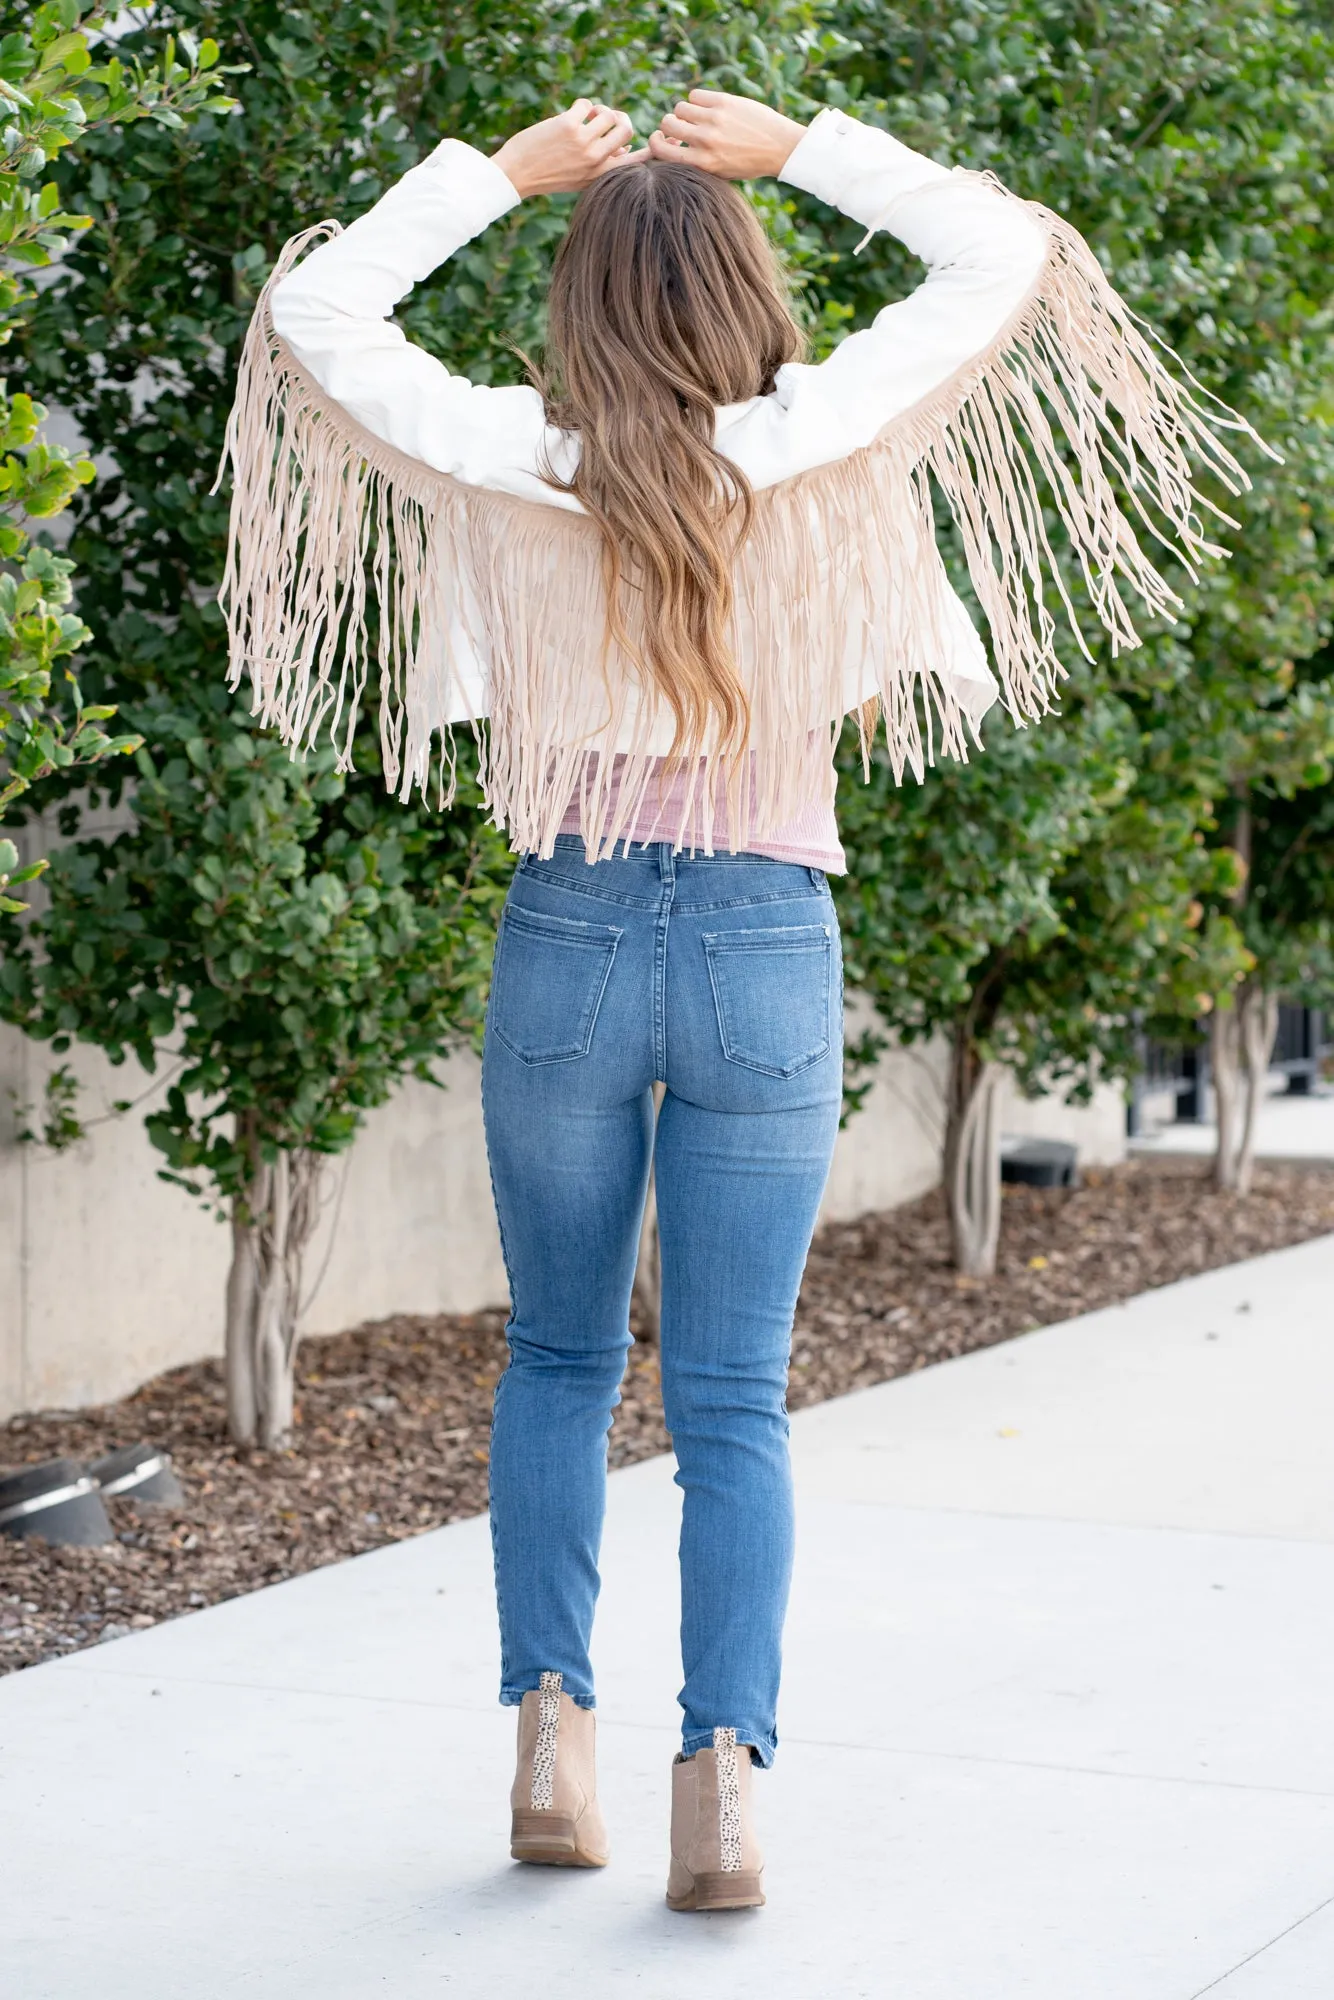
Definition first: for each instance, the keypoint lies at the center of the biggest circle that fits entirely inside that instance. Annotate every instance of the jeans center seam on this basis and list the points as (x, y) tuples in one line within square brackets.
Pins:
[(660, 983)]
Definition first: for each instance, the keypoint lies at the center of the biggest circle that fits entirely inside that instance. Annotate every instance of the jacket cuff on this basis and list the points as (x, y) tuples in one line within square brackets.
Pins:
[(856, 168), (480, 192)]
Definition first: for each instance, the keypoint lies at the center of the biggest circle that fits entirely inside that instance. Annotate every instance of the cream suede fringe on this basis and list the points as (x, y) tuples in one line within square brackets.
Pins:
[(838, 588)]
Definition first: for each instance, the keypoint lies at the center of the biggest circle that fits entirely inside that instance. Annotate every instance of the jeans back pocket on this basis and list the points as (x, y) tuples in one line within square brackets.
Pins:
[(547, 984), (771, 993)]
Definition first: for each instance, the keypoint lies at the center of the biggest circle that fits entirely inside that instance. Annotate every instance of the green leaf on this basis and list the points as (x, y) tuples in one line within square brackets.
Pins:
[(28, 874), (61, 49)]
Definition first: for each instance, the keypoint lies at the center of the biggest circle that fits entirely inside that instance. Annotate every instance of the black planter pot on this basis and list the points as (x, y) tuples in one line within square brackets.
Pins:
[(138, 1472), (58, 1501), (1040, 1163)]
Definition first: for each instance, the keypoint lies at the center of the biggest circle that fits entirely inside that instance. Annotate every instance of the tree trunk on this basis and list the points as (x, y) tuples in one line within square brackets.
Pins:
[(648, 1270), (242, 1282), (972, 1160), (1241, 1039), (1258, 1020), (272, 1224), (1225, 1066)]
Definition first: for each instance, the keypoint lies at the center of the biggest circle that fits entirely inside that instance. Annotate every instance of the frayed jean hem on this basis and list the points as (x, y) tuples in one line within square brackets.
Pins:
[(764, 1747), (512, 1697)]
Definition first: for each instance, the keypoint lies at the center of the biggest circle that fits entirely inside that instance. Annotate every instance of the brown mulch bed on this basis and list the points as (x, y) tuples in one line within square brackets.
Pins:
[(392, 1416)]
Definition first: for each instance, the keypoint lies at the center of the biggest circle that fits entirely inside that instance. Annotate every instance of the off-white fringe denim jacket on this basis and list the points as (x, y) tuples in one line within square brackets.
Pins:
[(1012, 375)]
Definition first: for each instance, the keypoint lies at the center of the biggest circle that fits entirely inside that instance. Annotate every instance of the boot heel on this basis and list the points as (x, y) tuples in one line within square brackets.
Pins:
[(738, 1889), (554, 1796), (542, 1836), (716, 1860)]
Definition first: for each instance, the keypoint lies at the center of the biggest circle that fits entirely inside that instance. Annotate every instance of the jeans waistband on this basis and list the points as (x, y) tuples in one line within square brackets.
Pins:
[(658, 859)]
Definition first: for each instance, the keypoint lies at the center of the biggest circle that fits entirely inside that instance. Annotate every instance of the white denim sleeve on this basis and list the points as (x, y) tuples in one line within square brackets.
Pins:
[(334, 310), (983, 251)]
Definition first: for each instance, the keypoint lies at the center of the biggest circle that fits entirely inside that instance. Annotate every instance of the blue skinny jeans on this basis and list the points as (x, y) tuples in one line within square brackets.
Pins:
[(721, 977)]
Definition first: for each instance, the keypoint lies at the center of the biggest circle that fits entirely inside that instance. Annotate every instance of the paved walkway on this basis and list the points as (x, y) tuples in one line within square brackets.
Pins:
[(1058, 1723), (1286, 1128)]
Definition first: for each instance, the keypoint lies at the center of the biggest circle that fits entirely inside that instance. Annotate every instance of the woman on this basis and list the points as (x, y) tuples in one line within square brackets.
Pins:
[(663, 578)]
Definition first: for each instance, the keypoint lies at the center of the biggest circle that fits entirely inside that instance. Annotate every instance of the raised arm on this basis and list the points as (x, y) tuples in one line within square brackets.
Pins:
[(333, 310), (1015, 381), (983, 251)]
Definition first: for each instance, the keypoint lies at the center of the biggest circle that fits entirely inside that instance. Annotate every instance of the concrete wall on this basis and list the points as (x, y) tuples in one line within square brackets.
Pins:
[(1097, 1129), (108, 1275)]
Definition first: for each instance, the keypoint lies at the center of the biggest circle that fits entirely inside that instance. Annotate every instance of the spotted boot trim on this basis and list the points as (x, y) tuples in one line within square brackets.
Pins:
[(544, 1750), (729, 1800)]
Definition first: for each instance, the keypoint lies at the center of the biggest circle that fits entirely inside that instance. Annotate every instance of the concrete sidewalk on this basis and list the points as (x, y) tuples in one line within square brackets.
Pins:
[(1287, 1128), (1058, 1721)]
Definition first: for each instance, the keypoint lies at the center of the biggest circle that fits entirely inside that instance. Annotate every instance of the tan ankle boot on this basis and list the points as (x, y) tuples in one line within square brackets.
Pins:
[(716, 1861), (555, 1816)]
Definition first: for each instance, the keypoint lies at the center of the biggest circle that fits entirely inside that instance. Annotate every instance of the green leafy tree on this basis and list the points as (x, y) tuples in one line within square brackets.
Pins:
[(1191, 144), (1289, 918), (1029, 907), (1278, 827), (54, 91), (300, 941), (296, 949)]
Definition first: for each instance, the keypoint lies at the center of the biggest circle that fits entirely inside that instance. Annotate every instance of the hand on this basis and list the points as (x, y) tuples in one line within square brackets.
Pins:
[(733, 137), (567, 152)]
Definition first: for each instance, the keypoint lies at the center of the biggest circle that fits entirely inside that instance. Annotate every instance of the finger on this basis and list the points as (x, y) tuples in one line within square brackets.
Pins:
[(693, 114), (619, 132), (708, 97), (676, 128), (617, 141), (626, 159), (579, 110), (663, 148), (601, 120)]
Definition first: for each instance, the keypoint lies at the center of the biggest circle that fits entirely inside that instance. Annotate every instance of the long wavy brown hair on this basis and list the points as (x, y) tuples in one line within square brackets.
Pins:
[(666, 300)]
